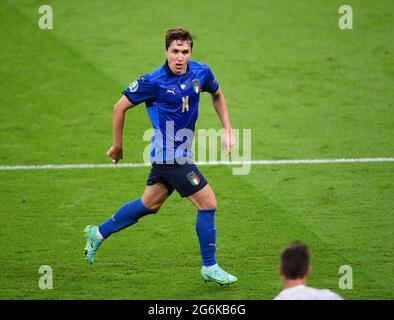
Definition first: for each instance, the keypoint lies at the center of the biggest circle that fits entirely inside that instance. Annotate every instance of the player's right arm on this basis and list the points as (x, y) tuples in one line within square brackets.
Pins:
[(141, 90), (118, 115)]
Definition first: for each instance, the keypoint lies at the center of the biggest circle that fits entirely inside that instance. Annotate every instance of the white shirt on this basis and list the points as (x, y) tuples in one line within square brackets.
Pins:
[(302, 292)]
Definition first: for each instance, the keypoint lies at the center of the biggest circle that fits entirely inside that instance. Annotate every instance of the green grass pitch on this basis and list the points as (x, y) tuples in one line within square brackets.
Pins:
[(307, 89)]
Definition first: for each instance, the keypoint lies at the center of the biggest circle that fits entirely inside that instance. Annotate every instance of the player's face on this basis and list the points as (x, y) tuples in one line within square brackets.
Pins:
[(178, 55)]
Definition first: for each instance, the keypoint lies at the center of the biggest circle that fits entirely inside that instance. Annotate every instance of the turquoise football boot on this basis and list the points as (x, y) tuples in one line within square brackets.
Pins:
[(92, 243), (218, 275)]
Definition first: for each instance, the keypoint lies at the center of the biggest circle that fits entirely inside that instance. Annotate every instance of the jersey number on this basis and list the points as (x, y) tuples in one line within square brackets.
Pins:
[(185, 103)]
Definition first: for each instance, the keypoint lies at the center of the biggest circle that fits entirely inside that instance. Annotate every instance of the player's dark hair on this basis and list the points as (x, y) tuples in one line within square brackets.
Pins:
[(178, 34), (294, 260)]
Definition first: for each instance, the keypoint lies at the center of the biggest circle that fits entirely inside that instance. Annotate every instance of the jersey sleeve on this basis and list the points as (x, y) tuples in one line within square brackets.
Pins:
[(141, 90), (210, 83)]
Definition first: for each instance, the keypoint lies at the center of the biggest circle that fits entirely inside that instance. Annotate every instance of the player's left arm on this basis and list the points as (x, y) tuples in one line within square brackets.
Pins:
[(219, 102)]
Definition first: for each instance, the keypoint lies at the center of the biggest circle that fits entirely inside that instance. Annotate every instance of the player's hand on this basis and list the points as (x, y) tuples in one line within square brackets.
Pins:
[(228, 141), (115, 153)]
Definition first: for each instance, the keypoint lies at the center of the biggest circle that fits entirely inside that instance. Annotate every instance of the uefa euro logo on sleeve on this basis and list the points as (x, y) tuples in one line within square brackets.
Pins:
[(133, 86)]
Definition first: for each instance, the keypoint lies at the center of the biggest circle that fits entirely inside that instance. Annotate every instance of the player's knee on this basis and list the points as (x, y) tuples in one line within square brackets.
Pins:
[(212, 201), (154, 208), (209, 203), (152, 204)]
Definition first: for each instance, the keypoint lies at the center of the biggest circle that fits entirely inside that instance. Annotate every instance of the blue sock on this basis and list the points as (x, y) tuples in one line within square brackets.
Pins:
[(206, 233), (124, 217)]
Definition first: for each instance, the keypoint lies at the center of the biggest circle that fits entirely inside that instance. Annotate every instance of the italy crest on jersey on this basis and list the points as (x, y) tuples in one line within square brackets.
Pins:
[(193, 178), (196, 86)]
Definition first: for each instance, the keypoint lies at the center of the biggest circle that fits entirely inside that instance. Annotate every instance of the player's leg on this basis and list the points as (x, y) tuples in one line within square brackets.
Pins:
[(154, 196), (205, 201), (190, 183), (204, 198), (152, 199)]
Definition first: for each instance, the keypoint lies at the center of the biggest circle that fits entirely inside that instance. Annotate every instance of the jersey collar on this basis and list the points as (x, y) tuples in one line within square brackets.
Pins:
[(170, 73)]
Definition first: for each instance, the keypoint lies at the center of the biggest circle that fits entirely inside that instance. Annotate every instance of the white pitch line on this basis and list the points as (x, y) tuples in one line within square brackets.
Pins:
[(136, 165)]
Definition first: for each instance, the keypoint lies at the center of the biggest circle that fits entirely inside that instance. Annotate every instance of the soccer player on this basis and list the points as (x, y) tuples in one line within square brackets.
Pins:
[(294, 269), (171, 94)]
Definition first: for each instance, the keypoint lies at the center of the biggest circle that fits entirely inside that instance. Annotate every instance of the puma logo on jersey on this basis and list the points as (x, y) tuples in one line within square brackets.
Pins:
[(171, 91)]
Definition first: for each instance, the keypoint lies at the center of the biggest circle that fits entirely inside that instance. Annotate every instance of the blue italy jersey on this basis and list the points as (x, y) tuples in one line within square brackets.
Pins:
[(172, 105)]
